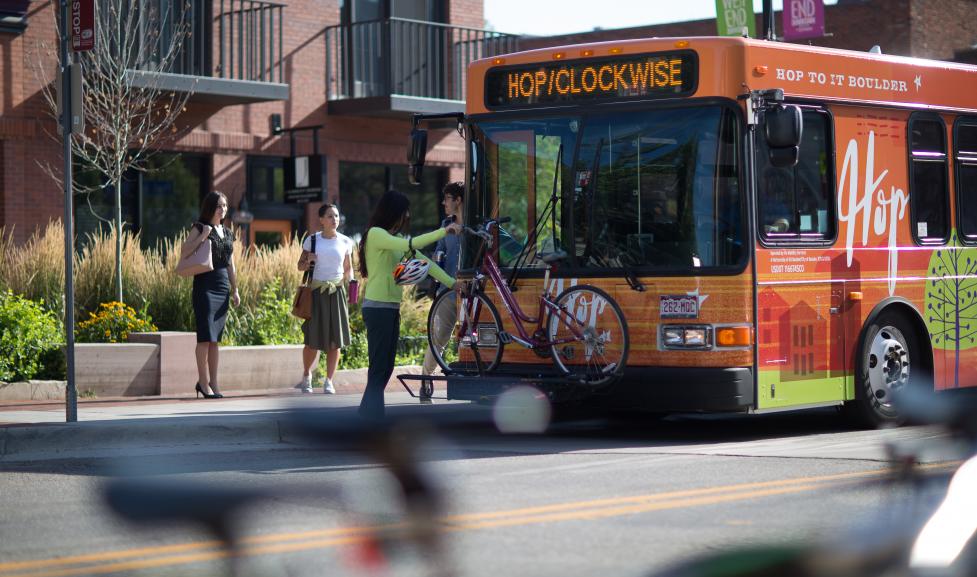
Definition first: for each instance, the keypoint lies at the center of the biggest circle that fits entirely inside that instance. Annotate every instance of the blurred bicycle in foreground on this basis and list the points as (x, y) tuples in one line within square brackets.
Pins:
[(942, 545), (397, 444)]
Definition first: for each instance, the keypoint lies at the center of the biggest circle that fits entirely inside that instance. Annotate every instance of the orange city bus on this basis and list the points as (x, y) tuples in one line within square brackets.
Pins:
[(821, 203)]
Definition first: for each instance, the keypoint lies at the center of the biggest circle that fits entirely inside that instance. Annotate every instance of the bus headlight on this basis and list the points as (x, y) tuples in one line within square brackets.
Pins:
[(674, 337), (686, 337), (705, 337), (695, 337)]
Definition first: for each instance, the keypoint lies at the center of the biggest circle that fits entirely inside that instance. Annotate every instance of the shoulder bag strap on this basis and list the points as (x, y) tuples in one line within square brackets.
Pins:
[(308, 272)]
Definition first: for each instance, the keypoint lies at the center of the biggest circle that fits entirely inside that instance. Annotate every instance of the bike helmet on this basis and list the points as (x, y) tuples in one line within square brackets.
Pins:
[(411, 271)]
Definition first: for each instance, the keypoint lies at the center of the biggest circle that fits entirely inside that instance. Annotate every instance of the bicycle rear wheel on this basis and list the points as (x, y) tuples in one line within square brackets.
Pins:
[(594, 325), (465, 339)]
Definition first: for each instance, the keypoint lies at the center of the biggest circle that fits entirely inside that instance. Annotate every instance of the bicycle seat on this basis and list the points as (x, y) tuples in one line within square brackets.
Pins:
[(552, 257)]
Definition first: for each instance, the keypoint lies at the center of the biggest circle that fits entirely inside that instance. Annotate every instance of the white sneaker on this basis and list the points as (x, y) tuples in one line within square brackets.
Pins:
[(305, 384), (328, 388)]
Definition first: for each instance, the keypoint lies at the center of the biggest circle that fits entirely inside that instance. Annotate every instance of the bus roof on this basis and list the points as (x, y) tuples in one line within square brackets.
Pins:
[(728, 65)]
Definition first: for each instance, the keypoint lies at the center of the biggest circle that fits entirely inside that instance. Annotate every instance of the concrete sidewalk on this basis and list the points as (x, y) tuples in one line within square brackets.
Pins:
[(114, 427)]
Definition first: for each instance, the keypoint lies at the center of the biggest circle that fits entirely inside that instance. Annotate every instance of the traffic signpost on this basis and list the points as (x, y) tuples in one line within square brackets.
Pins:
[(78, 29)]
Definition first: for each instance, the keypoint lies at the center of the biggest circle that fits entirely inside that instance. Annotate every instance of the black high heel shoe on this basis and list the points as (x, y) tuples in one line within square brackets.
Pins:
[(201, 391)]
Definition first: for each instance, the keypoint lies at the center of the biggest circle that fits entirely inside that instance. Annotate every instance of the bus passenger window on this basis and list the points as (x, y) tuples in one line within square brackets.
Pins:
[(657, 190), (965, 145), (795, 204), (928, 179), (776, 202), (522, 176)]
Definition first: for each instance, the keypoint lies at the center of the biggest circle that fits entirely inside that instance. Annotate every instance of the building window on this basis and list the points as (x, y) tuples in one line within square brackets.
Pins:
[(266, 180), (158, 203), (928, 179), (13, 16), (965, 152), (795, 204), (170, 195), (361, 185)]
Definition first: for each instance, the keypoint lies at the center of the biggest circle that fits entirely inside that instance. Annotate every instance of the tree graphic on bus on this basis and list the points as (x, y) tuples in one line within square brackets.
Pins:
[(951, 301)]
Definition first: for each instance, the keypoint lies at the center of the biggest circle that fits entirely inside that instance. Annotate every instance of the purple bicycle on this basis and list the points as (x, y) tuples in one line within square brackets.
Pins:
[(582, 329)]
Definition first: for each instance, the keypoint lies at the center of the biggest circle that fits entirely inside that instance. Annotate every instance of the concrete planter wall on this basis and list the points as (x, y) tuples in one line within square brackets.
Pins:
[(117, 369), (163, 363)]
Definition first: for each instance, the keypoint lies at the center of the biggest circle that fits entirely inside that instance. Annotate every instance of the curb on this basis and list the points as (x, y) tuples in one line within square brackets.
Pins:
[(197, 432), (99, 438), (347, 382)]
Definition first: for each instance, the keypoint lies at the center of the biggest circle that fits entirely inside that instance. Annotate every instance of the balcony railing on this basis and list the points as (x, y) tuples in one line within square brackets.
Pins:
[(406, 57), (248, 37)]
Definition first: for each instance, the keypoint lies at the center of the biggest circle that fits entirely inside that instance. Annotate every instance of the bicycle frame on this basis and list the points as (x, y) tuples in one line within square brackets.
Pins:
[(489, 267)]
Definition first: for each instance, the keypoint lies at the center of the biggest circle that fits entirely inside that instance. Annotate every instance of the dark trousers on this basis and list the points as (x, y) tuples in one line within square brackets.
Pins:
[(382, 334)]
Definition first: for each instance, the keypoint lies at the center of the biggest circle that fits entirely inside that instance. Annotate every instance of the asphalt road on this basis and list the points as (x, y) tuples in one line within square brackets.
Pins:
[(594, 497)]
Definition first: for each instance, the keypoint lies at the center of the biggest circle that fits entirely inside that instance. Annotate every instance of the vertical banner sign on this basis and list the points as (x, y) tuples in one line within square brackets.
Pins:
[(734, 17), (82, 25), (803, 19)]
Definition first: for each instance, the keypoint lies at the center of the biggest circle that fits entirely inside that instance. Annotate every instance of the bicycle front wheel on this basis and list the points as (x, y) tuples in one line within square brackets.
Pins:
[(589, 335), (465, 338)]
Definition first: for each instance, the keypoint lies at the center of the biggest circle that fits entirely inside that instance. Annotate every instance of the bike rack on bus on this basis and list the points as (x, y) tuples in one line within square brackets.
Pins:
[(556, 387)]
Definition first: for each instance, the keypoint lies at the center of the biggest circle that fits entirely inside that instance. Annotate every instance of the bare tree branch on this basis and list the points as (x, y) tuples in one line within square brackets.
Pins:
[(125, 124)]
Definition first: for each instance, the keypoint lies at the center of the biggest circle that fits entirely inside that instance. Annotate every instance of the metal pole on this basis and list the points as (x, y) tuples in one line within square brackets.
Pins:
[(71, 392), (768, 25)]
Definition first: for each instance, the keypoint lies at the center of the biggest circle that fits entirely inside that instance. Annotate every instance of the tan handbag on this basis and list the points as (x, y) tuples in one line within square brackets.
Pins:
[(200, 260), (302, 303)]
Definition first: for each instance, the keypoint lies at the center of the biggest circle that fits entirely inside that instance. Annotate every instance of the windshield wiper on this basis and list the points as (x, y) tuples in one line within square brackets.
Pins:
[(590, 252), (550, 208)]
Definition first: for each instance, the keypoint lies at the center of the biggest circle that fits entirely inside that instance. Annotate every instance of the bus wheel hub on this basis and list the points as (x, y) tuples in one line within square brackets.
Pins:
[(888, 364)]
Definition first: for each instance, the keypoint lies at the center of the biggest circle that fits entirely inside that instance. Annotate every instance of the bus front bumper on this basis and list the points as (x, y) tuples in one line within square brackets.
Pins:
[(656, 389)]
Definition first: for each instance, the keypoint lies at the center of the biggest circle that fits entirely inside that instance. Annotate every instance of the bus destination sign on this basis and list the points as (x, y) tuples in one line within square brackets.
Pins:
[(658, 75)]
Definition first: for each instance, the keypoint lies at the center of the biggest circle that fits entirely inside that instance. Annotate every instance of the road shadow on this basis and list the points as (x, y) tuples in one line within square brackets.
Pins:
[(472, 431)]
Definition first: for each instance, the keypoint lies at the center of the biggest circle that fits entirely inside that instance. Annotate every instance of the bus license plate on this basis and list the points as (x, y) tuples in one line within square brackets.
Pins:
[(679, 307)]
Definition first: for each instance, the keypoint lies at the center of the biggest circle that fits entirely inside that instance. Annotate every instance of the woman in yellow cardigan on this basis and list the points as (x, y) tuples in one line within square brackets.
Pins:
[(381, 250)]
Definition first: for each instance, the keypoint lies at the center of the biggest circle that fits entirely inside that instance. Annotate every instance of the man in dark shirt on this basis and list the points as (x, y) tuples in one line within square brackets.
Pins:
[(448, 254)]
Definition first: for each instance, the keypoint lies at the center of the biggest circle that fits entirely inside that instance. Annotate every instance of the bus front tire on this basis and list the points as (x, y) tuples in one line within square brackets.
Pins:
[(890, 358)]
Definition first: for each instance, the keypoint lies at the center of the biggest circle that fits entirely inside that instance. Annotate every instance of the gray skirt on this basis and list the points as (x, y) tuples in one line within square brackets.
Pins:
[(329, 326)]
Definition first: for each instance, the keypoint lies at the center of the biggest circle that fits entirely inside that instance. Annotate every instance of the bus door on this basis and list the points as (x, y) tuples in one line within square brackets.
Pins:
[(521, 170), (801, 327), (512, 154)]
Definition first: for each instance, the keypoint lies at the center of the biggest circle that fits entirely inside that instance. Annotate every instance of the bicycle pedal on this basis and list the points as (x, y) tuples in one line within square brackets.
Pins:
[(505, 338)]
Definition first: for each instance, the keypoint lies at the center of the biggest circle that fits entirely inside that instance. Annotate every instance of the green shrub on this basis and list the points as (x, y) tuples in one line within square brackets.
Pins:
[(267, 279), (30, 339), (353, 356), (35, 269), (269, 321), (112, 324)]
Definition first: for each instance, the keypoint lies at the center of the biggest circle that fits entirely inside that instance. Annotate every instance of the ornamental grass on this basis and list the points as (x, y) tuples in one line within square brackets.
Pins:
[(267, 279)]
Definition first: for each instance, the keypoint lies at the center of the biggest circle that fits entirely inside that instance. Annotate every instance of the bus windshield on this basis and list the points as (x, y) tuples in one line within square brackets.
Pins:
[(652, 189)]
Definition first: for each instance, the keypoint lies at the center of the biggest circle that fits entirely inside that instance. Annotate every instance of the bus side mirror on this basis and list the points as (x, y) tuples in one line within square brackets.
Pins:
[(416, 151), (785, 157), (783, 126)]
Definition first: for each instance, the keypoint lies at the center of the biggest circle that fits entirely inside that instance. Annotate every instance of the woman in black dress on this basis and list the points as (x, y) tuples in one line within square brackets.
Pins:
[(212, 291)]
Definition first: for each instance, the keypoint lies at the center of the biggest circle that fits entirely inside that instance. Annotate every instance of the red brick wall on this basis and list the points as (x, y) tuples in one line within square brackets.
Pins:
[(846, 21), (941, 28), (470, 13), (28, 198)]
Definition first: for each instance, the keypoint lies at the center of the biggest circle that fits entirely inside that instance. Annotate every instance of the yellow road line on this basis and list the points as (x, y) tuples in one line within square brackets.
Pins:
[(183, 548), (580, 510)]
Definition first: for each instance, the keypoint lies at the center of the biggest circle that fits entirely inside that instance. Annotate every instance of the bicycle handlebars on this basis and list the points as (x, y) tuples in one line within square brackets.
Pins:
[(483, 231)]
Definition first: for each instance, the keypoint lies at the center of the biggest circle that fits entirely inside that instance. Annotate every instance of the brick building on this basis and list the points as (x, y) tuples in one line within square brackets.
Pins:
[(354, 68), (341, 65), (935, 29)]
